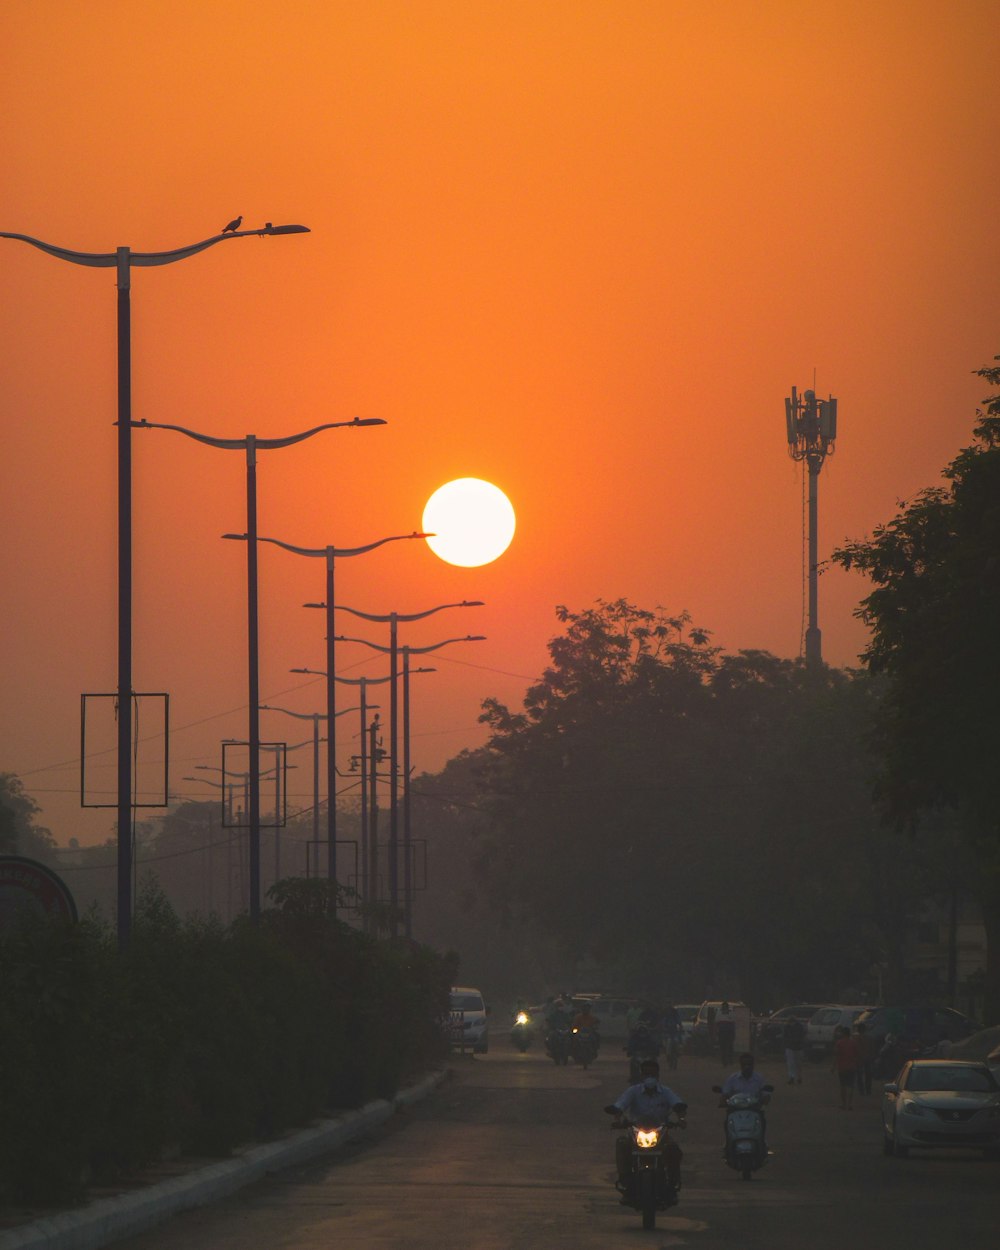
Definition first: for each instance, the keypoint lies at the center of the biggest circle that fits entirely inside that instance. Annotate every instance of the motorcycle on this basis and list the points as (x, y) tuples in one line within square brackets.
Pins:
[(746, 1149), (642, 1044), (673, 1052), (520, 1031), (583, 1047), (557, 1045), (649, 1187)]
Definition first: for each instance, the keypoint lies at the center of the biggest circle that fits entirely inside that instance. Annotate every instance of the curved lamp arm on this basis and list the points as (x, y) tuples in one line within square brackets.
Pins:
[(334, 551), (399, 616), (108, 260), (241, 444)]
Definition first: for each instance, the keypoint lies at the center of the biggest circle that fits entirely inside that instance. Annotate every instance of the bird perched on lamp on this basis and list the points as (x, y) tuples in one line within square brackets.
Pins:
[(233, 226)]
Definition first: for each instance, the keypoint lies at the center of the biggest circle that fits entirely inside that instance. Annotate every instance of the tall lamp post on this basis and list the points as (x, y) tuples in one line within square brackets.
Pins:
[(250, 445), (393, 619), (330, 554), (407, 844), (123, 260)]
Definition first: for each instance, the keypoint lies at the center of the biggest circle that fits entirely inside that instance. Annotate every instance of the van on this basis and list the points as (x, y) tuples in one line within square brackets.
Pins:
[(468, 1025)]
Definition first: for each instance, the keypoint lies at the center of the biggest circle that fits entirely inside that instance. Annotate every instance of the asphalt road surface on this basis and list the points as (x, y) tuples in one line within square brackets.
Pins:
[(515, 1153)]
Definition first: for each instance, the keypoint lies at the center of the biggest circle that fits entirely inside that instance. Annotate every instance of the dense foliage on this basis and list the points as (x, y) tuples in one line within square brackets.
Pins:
[(934, 615), (199, 1037), (695, 818)]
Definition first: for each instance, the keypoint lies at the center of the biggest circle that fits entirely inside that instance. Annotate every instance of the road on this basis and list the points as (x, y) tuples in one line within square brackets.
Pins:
[(515, 1153)]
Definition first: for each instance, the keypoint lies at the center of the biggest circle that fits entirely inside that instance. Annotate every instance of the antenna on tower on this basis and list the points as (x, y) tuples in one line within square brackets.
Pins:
[(811, 429)]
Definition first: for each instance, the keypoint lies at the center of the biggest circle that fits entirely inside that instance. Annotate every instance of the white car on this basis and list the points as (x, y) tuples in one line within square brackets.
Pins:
[(824, 1022), (468, 1025), (941, 1102)]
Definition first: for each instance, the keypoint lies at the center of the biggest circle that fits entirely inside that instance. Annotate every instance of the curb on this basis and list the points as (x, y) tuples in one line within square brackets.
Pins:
[(112, 1219)]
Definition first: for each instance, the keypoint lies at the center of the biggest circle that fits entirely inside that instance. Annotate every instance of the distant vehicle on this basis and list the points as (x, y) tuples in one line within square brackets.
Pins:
[(687, 1013), (824, 1022), (469, 1026), (941, 1102), (700, 1040), (923, 1026), (771, 1029), (611, 1012)]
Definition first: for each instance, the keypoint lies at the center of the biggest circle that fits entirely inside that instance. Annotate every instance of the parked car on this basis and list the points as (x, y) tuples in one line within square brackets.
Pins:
[(941, 1102), (922, 1026), (824, 1022), (770, 1030), (468, 1023)]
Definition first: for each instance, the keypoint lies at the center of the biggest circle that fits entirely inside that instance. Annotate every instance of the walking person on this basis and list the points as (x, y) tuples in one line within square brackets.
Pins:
[(725, 1031), (845, 1064), (794, 1038), (866, 1058)]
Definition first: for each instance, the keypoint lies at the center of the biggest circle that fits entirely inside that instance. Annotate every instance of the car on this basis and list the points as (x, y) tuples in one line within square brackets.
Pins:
[(687, 1013), (701, 1040), (468, 1023), (824, 1022), (771, 1029), (941, 1103), (922, 1026)]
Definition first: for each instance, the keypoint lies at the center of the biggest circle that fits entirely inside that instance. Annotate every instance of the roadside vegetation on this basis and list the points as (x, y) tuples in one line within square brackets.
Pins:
[(200, 1037)]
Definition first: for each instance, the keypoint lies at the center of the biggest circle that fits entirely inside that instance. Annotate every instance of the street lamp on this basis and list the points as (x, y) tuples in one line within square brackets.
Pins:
[(363, 683), (393, 618), (407, 652), (123, 260), (330, 553), (315, 717), (250, 445)]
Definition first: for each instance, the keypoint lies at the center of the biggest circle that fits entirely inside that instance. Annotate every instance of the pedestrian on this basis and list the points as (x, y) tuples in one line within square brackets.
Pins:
[(725, 1031), (845, 1064), (866, 1058), (794, 1039)]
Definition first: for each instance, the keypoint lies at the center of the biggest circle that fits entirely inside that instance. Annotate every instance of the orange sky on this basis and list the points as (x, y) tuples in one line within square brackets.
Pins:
[(582, 250)]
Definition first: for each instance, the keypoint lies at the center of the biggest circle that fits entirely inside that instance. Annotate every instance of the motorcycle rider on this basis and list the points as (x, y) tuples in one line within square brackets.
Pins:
[(747, 1081), (647, 1104)]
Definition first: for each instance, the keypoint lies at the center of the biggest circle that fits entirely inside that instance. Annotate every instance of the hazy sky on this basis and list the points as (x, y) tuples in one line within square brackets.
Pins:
[(580, 249)]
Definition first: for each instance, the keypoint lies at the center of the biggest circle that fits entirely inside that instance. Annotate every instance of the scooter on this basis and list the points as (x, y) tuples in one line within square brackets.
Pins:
[(557, 1045), (649, 1188), (746, 1149), (520, 1031), (583, 1047)]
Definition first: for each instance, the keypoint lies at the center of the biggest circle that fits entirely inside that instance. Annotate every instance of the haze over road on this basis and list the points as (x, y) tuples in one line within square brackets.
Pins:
[(515, 1153)]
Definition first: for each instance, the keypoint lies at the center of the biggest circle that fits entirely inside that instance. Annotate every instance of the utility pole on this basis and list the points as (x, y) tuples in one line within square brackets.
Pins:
[(811, 426)]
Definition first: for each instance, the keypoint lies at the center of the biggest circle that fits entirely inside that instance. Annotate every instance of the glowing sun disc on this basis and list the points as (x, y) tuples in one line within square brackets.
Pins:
[(472, 522)]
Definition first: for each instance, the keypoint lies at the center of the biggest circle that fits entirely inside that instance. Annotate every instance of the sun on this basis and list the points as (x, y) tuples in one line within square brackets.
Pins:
[(472, 522)]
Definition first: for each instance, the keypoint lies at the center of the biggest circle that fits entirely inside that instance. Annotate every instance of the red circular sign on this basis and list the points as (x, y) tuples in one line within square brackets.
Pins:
[(26, 883)]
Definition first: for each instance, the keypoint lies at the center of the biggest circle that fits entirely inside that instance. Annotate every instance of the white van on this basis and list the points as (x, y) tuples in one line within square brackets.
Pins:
[(823, 1023), (468, 1025)]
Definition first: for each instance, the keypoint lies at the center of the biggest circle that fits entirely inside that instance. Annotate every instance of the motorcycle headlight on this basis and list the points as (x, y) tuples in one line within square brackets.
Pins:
[(647, 1138), (522, 1018)]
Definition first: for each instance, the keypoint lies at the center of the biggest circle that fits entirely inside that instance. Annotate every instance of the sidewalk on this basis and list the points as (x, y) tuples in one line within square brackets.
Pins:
[(110, 1219)]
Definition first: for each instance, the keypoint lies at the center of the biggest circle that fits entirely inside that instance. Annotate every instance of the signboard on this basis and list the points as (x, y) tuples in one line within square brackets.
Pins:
[(26, 883)]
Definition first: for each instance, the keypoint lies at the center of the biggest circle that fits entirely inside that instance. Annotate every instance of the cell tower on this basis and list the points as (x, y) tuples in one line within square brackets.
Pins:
[(811, 424)]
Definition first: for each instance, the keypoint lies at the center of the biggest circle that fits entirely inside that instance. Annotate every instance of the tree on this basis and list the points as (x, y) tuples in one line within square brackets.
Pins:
[(19, 835), (688, 817), (935, 621)]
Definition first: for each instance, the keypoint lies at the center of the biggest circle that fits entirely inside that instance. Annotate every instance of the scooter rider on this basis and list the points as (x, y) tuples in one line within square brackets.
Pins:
[(747, 1081), (648, 1103)]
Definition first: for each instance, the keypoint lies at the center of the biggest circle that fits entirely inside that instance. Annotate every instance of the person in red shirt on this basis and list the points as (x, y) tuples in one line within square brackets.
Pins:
[(846, 1060)]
